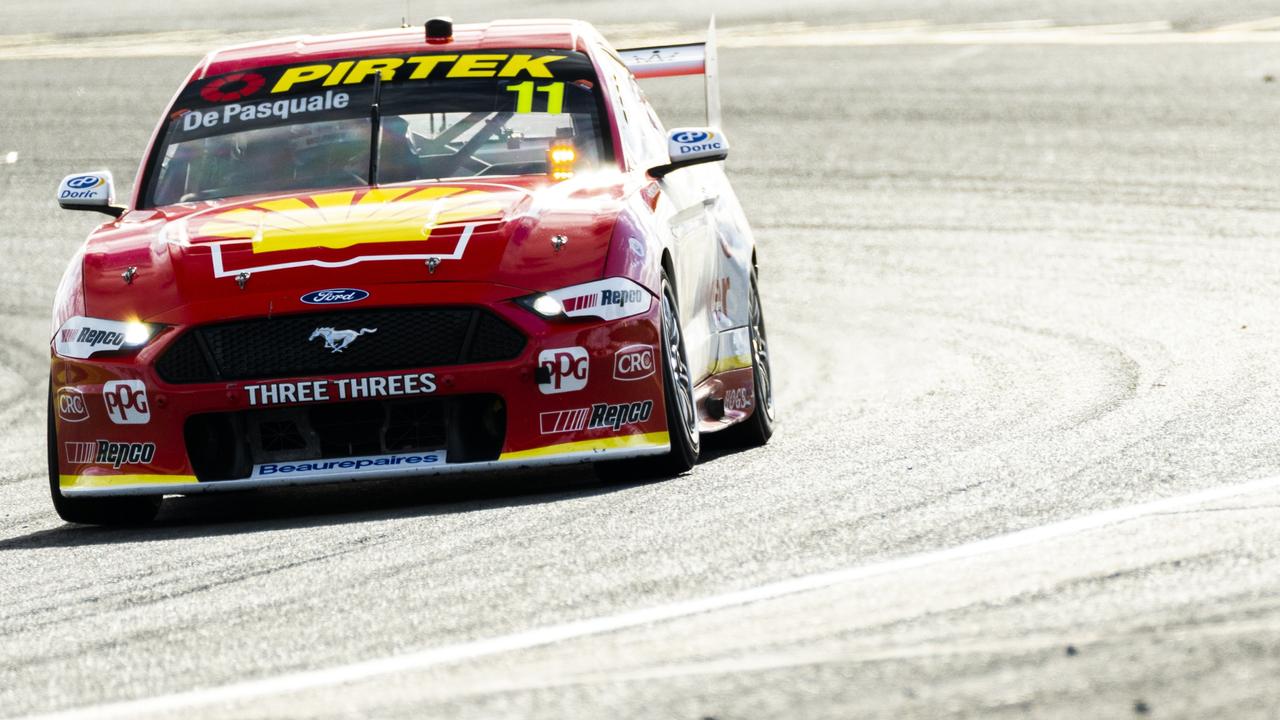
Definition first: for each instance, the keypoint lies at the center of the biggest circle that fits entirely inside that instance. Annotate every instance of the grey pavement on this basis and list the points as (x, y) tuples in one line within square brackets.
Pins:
[(1007, 286)]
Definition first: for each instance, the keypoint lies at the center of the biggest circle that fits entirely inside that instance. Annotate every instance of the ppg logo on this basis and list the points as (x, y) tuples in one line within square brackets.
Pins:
[(566, 370), (689, 137), (126, 402), (84, 182), (634, 362)]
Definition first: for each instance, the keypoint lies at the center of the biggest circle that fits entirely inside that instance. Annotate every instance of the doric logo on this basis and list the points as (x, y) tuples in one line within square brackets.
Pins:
[(338, 340)]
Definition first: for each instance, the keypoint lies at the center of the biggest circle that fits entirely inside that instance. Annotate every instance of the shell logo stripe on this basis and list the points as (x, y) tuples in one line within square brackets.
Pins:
[(339, 220)]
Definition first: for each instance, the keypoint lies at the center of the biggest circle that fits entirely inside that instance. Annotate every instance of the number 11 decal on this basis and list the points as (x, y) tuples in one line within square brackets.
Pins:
[(524, 96)]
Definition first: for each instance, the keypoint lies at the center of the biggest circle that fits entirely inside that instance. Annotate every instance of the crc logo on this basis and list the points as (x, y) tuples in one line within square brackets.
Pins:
[(232, 87), (689, 137), (84, 182), (71, 406), (634, 362), (334, 296), (566, 370), (126, 402)]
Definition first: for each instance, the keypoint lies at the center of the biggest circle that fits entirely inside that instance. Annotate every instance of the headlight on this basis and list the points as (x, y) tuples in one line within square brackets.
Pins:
[(136, 333), (82, 337), (608, 299), (544, 305)]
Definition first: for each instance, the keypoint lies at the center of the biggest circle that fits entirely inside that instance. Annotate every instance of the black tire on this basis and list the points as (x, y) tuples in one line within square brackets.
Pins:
[(95, 511), (677, 390), (682, 412), (757, 429)]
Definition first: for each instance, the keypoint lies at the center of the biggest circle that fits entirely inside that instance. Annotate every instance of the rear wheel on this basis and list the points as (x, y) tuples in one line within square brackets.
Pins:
[(682, 413), (757, 429), (94, 511)]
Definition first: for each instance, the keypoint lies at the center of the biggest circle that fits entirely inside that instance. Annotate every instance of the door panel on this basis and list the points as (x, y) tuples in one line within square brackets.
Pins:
[(693, 239)]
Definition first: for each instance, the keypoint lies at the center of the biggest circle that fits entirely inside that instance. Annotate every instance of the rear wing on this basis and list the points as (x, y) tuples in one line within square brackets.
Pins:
[(677, 60)]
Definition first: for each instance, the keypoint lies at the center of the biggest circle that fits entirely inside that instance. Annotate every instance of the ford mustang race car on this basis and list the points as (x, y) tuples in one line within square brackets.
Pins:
[(407, 253)]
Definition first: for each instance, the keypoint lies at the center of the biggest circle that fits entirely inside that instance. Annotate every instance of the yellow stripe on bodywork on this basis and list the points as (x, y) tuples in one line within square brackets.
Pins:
[(733, 363), (102, 481), (657, 439), (726, 364)]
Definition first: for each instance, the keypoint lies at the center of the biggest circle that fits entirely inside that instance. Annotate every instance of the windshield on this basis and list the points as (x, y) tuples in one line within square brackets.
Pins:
[(375, 121)]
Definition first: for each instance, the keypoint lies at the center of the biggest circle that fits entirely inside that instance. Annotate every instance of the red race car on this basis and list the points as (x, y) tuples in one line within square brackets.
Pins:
[(402, 253)]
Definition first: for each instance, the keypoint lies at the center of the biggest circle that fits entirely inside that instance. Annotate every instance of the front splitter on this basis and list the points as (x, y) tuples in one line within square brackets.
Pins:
[(587, 451)]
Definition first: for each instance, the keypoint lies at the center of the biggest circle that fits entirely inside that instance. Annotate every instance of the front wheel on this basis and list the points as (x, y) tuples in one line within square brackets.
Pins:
[(94, 511), (682, 413), (677, 385)]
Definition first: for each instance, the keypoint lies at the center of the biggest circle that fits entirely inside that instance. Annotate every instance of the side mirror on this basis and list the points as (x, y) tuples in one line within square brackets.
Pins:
[(692, 146), (89, 191)]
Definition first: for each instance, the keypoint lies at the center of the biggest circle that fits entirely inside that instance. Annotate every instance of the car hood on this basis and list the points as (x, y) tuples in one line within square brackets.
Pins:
[(272, 248)]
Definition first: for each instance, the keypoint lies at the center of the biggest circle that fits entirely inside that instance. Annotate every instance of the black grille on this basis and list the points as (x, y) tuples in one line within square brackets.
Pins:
[(184, 362), (226, 446), (494, 340), (295, 345)]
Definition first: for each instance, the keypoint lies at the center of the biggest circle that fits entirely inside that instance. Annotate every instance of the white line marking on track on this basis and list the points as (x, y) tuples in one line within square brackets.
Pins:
[(1271, 23), (448, 654), (11, 157)]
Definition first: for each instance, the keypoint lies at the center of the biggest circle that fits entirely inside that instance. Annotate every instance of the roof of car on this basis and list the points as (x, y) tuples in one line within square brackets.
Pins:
[(554, 34)]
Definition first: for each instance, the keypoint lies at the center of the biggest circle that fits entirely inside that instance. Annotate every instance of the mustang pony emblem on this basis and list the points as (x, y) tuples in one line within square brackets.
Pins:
[(338, 340)]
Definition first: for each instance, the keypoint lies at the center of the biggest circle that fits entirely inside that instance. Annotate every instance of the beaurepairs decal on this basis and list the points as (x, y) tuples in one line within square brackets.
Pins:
[(349, 466)]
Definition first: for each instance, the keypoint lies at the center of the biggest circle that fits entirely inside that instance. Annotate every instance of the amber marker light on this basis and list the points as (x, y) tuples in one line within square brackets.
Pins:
[(561, 157)]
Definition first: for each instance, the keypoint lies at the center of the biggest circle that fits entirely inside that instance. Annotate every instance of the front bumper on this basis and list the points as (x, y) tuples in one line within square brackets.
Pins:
[(123, 430)]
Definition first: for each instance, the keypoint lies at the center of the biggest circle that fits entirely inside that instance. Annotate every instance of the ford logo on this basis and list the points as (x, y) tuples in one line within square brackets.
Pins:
[(691, 136), (84, 181), (334, 296)]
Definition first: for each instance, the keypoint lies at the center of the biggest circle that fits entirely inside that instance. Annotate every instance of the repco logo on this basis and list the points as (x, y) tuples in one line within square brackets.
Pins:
[(634, 362), (566, 370), (71, 406), (126, 402)]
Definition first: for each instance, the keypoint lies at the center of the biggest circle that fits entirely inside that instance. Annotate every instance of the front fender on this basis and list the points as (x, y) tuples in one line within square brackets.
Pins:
[(637, 245)]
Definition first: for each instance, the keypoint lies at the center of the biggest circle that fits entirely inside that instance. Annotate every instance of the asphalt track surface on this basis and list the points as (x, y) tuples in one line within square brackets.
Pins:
[(1023, 298)]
